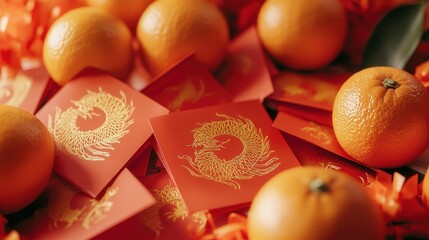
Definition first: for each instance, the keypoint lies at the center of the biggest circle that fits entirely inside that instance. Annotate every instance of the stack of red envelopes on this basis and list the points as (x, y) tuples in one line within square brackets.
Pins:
[(156, 162)]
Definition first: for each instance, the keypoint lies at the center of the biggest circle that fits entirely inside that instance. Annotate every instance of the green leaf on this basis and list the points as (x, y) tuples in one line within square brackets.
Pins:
[(396, 37), (425, 37)]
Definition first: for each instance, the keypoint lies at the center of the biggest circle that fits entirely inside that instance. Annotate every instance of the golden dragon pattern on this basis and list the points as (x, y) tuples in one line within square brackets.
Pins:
[(169, 195), (62, 214), (254, 160), (92, 145)]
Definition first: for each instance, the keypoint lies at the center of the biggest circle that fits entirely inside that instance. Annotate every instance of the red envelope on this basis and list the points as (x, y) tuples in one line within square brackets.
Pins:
[(309, 113), (167, 219), (229, 149), (186, 86), (155, 164), (98, 123), (157, 155), (67, 213), (26, 90), (317, 134), (51, 89), (161, 162), (271, 66), (310, 155), (139, 165), (139, 76), (315, 90), (245, 73)]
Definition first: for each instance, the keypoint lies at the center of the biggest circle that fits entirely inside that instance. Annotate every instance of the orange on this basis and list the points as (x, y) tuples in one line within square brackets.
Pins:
[(87, 38), (129, 11), (27, 152), (169, 30), (304, 34), (313, 203), (381, 117)]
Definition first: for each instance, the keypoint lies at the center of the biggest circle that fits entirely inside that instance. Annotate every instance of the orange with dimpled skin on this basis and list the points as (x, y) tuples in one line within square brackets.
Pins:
[(27, 152), (381, 117), (314, 203), (87, 37), (303, 34), (129, 11), (168, 30)]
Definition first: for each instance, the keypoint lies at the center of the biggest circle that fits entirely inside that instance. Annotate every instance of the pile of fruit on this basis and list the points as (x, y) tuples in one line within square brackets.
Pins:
[(214, 119)]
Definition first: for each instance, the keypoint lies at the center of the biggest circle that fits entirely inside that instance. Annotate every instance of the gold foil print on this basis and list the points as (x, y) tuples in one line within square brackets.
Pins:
[(254, 159), (318, 162), (59, 209), (189, 91), (316, 131), (150, 218), (200, 220), (315, 89), (61, 213), (332, 166), (99, 208), (94, 144), (317, 159), (291, 85), (367, 181), (169, 195), (14, 91), (325, 92)]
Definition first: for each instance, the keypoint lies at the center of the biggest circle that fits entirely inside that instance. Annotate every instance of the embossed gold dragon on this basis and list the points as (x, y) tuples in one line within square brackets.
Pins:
[(60, 212), (92, 145), (98, 208), (318, 90), (189, 91), (254, 159), (169, 195), (317, 131), (59, 209)]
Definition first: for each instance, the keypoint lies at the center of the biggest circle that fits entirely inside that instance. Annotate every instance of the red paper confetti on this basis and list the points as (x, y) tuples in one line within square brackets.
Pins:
[(234, 229), (400, 201), (23, 26), (422, 73)]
